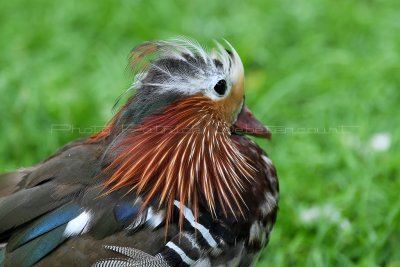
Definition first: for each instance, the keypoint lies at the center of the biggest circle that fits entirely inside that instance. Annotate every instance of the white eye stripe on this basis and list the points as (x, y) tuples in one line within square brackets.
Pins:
[(191, 76)]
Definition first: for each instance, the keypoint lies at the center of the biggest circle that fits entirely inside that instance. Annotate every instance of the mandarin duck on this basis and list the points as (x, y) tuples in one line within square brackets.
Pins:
[(172, 180)]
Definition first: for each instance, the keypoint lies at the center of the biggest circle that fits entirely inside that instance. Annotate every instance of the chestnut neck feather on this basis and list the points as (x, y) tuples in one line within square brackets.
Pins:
[(184, 153)]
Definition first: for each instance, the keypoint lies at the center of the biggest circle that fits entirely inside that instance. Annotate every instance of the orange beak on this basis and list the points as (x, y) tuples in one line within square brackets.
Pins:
[(246, 123)]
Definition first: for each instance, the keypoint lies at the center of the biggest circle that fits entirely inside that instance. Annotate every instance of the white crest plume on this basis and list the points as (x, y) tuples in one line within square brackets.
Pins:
[(183, 65)]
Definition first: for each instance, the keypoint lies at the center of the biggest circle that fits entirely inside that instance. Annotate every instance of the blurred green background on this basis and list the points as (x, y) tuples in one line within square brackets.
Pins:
[(324, 75)]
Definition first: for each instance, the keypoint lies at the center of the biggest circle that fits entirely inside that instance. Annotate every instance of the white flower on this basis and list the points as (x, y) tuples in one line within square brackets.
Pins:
[(309, 215), (345, 224), (328, 213), (380, 142)]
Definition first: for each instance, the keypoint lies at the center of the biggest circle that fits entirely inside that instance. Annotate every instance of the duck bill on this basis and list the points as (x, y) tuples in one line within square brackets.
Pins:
[(246, 123)]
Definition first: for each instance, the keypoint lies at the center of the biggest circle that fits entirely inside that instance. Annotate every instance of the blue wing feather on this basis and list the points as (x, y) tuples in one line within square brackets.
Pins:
[(34, 251), (124, 211), (36, 240), (45, 224)]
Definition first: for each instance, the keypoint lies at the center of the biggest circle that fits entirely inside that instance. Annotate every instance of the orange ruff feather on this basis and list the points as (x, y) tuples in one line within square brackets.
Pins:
[(184, 153)]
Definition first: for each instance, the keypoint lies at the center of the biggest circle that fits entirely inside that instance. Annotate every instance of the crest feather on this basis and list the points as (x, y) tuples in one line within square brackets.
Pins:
[(182, 64)]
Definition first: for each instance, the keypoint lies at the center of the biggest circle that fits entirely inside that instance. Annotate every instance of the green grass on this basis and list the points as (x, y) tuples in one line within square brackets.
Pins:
[(309, 64)]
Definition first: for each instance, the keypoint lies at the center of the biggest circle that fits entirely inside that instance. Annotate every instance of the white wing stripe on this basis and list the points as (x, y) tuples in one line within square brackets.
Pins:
[(185, 258), (187, 213), (78, 225)]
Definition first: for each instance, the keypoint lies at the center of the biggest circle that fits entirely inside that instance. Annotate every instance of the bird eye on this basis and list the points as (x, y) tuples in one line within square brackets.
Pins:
[(220, 87)]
